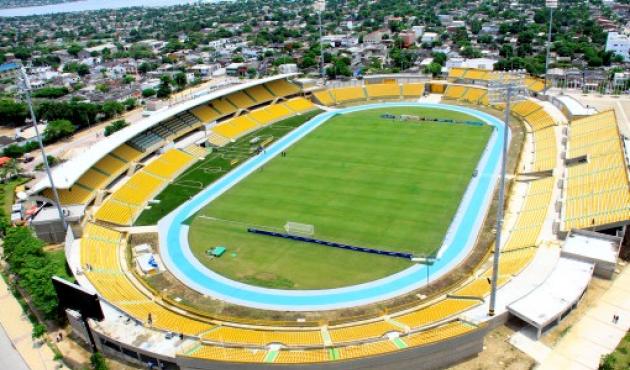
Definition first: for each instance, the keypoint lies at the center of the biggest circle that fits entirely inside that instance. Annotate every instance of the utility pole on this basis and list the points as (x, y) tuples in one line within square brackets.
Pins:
[(551, 4), (322, 6), (25, 86), (507, 88)]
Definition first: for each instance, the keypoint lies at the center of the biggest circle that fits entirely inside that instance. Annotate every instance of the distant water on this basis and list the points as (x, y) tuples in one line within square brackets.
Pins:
[(78, 6)]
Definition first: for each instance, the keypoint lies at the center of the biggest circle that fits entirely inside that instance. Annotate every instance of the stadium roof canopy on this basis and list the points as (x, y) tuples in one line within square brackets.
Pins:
[(555, 296), (67, 173)]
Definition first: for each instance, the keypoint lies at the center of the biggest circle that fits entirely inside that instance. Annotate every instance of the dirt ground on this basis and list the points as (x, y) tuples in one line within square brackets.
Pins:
[(498, 353)]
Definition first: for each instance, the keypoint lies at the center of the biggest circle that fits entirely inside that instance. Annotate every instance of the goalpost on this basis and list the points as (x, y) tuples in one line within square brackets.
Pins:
[(297, 228)]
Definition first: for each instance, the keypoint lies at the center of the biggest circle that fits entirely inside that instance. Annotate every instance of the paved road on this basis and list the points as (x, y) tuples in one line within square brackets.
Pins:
[(9, 356)]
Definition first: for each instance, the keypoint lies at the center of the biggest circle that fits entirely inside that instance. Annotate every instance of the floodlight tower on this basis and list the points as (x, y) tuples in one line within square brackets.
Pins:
[(25, 86), (551, 4), (321, 6), (507, 88)]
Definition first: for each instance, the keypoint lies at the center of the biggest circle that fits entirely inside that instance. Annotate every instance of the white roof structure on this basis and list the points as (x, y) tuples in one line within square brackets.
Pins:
[(589, 246), (67, 173), (574, 107), (556, 295)]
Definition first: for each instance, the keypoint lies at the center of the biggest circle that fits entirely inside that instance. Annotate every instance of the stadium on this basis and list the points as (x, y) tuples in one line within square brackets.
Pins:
[(276, 223)]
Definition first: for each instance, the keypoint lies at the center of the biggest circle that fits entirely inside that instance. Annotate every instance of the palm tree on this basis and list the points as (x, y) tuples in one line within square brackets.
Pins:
[(10, 170)]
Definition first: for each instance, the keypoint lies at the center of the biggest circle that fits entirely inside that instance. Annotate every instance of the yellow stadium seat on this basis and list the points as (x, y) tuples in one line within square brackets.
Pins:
[(435, 312), (324, 97), (260, 94), (208, 352), (349, 94), (597, 192), (170, 164), (456, 72), (355, 332), (414, 90), (240, 100), (127, 153), (299, 105), (76, 194), (282, 88), (454, 91), (205, 114), (383, 90), (223, 106)]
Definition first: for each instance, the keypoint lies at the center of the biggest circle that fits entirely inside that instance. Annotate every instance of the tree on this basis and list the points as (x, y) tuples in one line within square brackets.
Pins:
[(439, 58), (83, 69), (10, 169), (180, 80), (433, 68), (112, 108), (16, 151), (507, 51), (608, 362), (475, 26), (146, 67), (12, 113), (115, 126), (74, 49), (51, 92), (164, 91), (38, 330), (308, 61), (130, 103), (26, 259), (22, 53), (58, 129), (148, 92), (98, 361)]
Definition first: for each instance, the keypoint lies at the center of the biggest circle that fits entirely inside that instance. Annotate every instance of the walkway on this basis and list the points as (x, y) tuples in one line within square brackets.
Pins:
[(9, 357), (18, 329), (595, 334)]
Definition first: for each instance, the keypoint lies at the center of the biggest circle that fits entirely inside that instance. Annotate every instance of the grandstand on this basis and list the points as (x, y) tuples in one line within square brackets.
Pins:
[(597, 187), (348, 94), (126, 203), (472, 75), (376, 91), (594, 195), (455, 91)]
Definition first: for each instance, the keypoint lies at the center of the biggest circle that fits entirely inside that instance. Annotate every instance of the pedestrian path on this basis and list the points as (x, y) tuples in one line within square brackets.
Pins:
[(19, 331), (595, 334)]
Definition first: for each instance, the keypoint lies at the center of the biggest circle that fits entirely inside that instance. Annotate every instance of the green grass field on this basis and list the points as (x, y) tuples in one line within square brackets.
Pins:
[(359, 179), (215, 165)]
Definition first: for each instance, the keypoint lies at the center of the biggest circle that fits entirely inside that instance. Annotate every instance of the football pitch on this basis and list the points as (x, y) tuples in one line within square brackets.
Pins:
[(359, 179)]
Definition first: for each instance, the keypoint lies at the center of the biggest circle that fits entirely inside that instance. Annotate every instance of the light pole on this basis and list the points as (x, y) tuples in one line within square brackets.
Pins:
[(25, 86), (506, 88), (322, 6), (551, 4)]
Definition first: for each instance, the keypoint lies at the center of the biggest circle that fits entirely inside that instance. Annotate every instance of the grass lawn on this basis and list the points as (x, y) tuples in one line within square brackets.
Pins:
[(58, 259), (213, 167), (620, 358), (7, 194), (359, 179)]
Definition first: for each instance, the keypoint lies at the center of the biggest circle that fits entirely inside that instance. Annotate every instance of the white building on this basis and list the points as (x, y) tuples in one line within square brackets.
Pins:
[(477, 63), (429, 37), (418, 30), (287, 68), (619, 44)]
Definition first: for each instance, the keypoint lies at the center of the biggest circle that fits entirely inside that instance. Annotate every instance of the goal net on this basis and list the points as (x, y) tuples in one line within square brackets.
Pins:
[(296, 228)]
